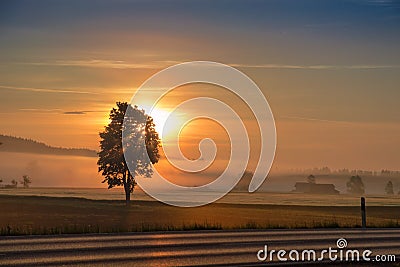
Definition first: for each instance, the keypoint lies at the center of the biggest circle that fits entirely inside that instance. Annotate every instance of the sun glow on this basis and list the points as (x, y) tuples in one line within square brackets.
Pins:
[(160, 117)]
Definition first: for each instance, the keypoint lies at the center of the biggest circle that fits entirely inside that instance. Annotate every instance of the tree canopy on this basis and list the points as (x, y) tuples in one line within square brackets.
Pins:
[(389, 188), (26, 181), (14, 183), (355, 185), (141, 142)]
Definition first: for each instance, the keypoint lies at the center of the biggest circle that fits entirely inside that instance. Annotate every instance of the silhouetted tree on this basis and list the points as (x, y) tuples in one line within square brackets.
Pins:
[(26, 180), (138, 126), (311, 179), (355, 185), (389, 188), (14, 183)]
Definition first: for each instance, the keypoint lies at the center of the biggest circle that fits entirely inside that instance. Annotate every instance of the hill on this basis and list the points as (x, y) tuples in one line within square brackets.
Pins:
[(22, 145)]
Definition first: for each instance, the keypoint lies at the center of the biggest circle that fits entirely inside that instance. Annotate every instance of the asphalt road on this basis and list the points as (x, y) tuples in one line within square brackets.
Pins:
[(220, 248)]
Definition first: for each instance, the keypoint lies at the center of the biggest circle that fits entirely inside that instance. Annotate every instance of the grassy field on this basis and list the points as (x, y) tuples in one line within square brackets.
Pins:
[(50, 215)]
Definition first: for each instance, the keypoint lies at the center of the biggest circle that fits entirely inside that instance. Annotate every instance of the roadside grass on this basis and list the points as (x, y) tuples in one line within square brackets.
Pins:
[(91, 229)]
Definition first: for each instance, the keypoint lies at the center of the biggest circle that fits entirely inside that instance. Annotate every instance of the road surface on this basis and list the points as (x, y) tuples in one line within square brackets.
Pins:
[(219, 248)]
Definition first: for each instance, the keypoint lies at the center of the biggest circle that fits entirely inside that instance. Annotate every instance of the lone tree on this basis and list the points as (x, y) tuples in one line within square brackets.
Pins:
[(113, 165), (389, 188), (311, 179), (355, 185), (14, 183), (26, 180)]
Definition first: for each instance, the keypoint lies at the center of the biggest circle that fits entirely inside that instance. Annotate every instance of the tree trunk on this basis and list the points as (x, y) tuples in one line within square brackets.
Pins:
[(126, 188), (127, 194)]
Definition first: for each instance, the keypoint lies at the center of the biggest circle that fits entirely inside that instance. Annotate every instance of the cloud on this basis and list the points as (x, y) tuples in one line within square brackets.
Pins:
[(40, 110), (82, 112), (389, 3), (101, 63), (119, 64), (58, 111), (314, 119), (45, 90), (316, 67), (75, 112)]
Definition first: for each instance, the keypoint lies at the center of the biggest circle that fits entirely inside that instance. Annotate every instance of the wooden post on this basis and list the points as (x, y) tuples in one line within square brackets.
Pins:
[(363, 213)]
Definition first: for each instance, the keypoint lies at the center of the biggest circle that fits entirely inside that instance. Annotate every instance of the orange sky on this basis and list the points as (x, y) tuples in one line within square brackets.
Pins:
[(330, 77), (303, 142)]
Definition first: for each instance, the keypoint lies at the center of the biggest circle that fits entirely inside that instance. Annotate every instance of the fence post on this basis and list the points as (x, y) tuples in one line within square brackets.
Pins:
[(363, 213)]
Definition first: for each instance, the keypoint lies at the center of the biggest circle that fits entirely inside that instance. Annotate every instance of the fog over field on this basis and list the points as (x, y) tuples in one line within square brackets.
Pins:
[(81, 172), (50, 170)]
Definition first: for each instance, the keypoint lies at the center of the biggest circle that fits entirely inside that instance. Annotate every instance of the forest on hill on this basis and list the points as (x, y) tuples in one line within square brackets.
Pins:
[(23, 145)]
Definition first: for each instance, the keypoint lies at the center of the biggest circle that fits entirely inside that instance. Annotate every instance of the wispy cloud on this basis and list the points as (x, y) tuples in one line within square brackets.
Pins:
[(316, 67), (75, 112), (81, 112), (45, 90), (58, 111), (102, 63), (314, 119), (388, 3), (41, 110), (120, 64)]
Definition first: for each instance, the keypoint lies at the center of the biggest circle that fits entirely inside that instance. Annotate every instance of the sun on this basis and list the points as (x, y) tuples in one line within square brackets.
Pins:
[(160, 117)]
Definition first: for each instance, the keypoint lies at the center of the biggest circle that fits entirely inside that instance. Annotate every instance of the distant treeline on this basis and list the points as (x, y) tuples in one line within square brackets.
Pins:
[(22, 145), (327, 170)]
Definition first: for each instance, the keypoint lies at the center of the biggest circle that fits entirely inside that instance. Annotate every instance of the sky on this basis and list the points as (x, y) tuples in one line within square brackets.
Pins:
[(330, 71)]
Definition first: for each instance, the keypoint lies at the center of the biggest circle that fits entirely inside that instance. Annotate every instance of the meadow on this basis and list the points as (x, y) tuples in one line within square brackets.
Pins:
[(25, 215)]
